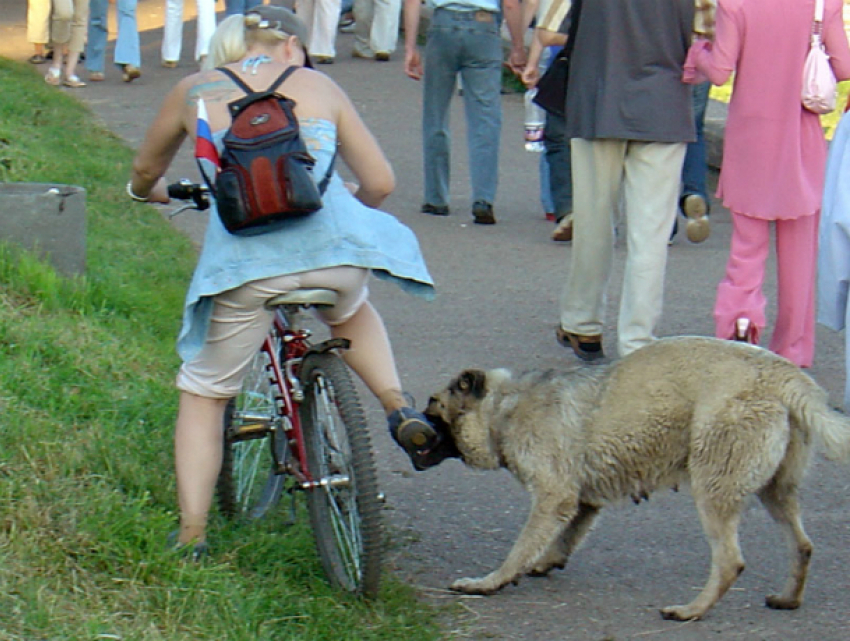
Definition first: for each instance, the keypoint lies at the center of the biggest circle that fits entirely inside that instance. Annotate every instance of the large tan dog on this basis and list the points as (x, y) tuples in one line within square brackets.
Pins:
[(732, 419)]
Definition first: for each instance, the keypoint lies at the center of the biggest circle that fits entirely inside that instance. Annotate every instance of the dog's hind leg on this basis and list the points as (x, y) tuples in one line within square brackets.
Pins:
[(720, 522), (560, 551), (783, 505), (545, 525)]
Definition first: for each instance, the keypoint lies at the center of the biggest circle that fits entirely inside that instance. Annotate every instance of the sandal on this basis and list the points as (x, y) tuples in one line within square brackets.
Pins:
[(53, 77), (74, 82)]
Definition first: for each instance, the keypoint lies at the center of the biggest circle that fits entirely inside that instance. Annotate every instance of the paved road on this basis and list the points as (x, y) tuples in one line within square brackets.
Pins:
[(497, 306)]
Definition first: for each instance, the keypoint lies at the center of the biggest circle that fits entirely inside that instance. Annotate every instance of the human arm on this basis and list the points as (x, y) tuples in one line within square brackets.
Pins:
[(162, 140), (363, 155), (531, 74), (512, 11), (529, 12), (835, 41), (717, 60), (412, 58)]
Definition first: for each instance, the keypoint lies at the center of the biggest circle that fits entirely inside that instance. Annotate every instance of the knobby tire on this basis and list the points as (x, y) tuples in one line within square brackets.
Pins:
[(345, 508)]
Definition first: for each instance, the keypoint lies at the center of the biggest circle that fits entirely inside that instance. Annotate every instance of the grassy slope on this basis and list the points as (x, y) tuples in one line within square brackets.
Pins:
[(87, 401)]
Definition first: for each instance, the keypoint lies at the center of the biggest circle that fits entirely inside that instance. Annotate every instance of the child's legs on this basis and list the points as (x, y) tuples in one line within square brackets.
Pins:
[(739, 294), (796, 264)]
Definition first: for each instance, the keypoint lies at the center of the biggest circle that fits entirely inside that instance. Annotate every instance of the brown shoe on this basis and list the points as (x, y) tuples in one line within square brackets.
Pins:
[(564, 231), (695, 209), (131, 73), (587, 348), (482, 213), (382, 56)]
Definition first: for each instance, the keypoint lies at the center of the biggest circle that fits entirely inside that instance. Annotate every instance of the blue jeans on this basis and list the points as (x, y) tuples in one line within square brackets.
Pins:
[(560, 165), (468, 43), (232, 7), (127, 44), (694, 169)]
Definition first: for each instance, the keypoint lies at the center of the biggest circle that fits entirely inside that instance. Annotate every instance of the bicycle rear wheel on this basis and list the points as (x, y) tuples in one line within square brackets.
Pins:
[(344, 506), (248, 485)]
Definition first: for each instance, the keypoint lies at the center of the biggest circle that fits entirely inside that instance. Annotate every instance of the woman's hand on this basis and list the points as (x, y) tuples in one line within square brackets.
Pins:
[(159, 192)]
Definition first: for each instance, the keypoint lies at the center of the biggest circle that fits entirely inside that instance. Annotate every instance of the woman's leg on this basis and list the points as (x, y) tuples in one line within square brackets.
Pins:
[(371, 355), (739, 294), (796, 268), (197, 460)]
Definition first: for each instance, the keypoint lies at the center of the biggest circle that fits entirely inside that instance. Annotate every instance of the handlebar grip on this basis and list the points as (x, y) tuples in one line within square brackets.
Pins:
[(183, 190)]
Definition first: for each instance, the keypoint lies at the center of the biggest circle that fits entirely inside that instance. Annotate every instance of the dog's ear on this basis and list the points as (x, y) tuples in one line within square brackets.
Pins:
[(472, 381)]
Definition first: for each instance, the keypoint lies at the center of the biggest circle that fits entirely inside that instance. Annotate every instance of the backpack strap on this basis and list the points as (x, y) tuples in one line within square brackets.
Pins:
[(236, 79), (247, 89), (323, 184)]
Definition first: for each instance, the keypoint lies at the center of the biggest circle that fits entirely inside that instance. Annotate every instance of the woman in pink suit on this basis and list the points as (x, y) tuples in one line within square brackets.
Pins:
[(773, 162)]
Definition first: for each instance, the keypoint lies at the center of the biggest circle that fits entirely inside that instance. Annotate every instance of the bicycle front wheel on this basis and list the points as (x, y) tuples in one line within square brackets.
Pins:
[(248, 485), (344, 505)]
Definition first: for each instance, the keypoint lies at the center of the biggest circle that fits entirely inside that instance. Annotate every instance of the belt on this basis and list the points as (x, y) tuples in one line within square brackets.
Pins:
[(478, 15)]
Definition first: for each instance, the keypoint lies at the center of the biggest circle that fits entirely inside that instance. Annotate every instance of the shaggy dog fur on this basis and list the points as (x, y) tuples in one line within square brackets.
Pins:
[(731, 419)]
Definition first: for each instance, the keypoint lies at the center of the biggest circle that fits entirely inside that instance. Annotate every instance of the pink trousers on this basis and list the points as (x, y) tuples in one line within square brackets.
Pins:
[(740, 295)]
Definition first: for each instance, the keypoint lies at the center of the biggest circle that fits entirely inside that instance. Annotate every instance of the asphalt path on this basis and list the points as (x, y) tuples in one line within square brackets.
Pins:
[(497, 306)]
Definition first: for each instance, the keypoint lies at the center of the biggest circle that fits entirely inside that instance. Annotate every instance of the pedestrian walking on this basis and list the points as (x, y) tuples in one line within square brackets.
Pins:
[(773, 164), (834, 248), (376, 28), (629, 118), (463, 39), (38, 29), (127, 56), (322, 19), (68, 25), (172, 33)]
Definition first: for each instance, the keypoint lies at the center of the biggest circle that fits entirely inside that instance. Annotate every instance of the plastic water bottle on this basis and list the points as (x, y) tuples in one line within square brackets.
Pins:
[(535, 118)]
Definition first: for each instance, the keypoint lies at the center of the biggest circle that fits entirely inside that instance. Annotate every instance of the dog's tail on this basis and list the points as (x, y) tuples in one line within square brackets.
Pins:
[(807, 403)]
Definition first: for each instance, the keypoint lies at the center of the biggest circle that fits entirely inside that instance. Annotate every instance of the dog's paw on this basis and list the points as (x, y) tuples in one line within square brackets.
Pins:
[(778, 602), (543, 569), (680, 613), (474, 586)]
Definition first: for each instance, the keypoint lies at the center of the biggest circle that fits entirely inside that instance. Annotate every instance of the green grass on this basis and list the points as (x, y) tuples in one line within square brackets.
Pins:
[(87, 402), (828, 121)]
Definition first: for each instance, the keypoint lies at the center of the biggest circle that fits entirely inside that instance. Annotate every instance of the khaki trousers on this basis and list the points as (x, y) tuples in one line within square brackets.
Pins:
[(646, 175), (69, 24)]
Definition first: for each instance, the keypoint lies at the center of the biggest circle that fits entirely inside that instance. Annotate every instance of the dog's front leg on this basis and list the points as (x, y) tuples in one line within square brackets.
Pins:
[(545, 525)]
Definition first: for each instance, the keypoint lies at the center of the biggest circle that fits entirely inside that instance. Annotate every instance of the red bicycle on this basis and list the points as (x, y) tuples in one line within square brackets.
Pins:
[(297, 425)]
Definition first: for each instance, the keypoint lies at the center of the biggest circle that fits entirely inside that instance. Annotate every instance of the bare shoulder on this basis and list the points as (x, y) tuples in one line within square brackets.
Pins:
[(213, 85)]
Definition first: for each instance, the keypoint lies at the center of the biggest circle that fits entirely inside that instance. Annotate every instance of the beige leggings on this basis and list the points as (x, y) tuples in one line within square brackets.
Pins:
[(69, 23), (240, 322)]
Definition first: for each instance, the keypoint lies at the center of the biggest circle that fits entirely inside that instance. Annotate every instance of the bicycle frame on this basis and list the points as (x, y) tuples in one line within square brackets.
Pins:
[(283, 374)]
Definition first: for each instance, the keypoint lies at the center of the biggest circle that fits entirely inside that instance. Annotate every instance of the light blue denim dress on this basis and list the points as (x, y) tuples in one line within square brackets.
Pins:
[(345, 232)]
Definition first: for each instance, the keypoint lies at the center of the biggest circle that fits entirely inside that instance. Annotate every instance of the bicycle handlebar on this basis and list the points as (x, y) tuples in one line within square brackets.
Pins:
[(187, 190)]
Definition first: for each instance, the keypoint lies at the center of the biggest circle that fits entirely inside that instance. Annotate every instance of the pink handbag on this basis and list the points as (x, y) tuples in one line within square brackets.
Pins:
[(819, 84)]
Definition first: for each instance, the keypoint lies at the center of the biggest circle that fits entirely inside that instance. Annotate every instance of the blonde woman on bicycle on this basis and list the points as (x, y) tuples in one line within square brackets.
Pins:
[(338, 247)]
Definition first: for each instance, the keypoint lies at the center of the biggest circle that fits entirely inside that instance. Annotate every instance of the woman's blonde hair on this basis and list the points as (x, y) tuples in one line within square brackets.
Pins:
[(235, 35)]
